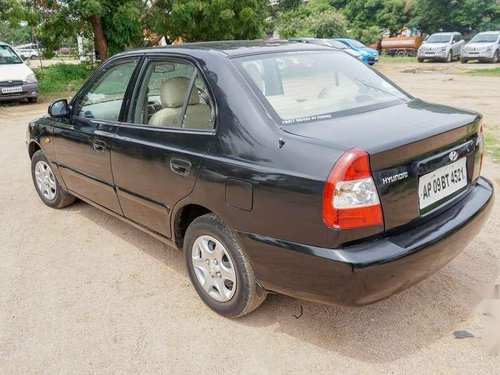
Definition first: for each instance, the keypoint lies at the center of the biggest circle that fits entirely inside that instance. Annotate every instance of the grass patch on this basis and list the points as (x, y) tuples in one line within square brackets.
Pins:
[(62, 80), (484, 72), (492, 146), (396, 59)]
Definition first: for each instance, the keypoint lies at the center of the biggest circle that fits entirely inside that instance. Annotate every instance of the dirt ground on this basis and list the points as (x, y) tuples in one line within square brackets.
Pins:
[(83, 293)]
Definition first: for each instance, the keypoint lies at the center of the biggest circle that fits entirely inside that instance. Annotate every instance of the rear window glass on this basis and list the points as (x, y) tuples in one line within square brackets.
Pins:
[(310, 86)]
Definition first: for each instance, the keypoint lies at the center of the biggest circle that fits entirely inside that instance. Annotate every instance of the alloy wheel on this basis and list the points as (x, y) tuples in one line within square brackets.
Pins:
[(45, 180), (214, 268)]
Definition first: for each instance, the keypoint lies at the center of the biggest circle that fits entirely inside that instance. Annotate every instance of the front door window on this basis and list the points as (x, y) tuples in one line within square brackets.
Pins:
[(104, 99)]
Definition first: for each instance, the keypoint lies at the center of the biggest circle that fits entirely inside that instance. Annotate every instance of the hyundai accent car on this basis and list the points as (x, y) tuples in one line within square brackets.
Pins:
[(329, 183), (17, 80), (483, 47), (444, 47)]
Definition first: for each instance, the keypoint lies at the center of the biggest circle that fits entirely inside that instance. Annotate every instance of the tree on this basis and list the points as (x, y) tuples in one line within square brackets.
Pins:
[(200, 20), (315, 19), (455, 15)]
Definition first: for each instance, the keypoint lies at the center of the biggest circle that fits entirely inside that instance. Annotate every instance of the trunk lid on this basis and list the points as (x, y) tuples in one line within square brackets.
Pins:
[(406, 142)]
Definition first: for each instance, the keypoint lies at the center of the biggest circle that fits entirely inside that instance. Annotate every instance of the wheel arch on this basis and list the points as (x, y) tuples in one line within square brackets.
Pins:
[(33, 147), (183, 217)]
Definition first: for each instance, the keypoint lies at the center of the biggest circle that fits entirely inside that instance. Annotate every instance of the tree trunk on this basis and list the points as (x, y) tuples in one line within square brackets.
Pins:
[(100, 41)]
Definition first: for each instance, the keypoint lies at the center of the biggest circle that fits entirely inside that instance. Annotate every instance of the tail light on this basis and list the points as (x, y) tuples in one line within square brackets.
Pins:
[(480, 142), (350, 198)]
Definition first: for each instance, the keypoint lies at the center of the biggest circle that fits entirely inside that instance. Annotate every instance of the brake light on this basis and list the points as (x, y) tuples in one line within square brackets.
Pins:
[(480, 142), (350, 198)]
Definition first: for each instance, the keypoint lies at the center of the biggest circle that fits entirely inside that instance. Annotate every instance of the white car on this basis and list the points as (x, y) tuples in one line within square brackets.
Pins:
[(483, 47), (442, 47), (28, 53), (17, 80)]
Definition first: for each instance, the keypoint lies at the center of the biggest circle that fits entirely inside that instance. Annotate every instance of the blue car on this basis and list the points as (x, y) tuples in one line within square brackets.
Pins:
[(369, 55)]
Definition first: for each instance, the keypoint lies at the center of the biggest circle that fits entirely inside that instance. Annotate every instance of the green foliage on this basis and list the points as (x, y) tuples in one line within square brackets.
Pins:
[(14, 34), (314, 19), (457, 15), (200, 20), (62, 79)]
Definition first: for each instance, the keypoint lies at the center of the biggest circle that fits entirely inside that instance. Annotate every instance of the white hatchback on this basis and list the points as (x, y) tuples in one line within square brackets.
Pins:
[(17, 80)]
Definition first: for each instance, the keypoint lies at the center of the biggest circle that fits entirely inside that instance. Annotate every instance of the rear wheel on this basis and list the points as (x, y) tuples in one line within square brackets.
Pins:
[(219, 268), (46, 184)]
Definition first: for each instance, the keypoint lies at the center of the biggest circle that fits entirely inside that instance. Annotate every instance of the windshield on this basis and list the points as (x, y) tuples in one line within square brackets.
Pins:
[(310, 86), (485, 38), (355, 43), (336, 44), (439, 38), (8, 56)]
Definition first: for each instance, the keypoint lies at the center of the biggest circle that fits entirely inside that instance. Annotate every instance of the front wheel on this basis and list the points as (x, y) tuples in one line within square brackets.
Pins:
[(46, 184), (420, 60), (496, 57), (449, 58), (464, 61), (219, 268)]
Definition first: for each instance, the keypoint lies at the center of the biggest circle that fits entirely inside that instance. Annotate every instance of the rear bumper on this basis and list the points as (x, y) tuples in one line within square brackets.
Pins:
[(29, 90), (371, 271)]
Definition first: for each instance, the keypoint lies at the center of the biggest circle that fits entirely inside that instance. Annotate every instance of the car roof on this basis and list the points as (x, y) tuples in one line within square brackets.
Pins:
[(447, 33), (233, 48)]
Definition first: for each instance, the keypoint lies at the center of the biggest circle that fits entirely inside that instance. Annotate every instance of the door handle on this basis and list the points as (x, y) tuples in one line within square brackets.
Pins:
[(180, 167), (98, 146)]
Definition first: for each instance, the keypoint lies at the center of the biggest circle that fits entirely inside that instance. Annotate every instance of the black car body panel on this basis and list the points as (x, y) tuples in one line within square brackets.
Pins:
[(266, 180)]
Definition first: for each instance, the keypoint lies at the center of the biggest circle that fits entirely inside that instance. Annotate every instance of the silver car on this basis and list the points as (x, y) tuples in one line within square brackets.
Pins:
[(483, 47), (329, 43), (442, 47)]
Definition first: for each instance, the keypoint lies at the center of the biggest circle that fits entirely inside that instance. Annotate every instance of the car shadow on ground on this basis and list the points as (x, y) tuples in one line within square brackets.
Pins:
[(382, 332)]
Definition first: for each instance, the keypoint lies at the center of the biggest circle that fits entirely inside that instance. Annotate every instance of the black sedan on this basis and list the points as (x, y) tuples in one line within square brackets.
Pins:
[(276, 167)]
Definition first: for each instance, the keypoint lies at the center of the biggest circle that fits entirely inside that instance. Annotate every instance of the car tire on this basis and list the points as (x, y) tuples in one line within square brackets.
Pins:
[(464, 61), (449, 58), (420, 60), (48, 188), (219, 268), (32, 100), (496, 57)]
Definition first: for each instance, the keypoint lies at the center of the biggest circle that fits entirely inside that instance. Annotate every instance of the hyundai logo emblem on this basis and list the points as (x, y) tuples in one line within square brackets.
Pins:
[(453, 156)]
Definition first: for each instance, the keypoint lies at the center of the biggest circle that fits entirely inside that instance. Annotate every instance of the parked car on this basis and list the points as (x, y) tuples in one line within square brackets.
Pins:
[(17, 80), (483, 47), (369, 55), (329, 43), (28, 53), (330, 184), (442, 47)]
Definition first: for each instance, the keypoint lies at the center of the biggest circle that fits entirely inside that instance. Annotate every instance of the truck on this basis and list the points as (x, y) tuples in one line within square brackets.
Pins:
[(401, 46)]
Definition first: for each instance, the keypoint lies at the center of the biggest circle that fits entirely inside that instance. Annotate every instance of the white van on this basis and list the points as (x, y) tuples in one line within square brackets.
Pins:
[(17, 80)]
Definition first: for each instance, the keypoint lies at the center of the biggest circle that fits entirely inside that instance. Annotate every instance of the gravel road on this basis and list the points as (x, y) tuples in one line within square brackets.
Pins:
[(83, 293)]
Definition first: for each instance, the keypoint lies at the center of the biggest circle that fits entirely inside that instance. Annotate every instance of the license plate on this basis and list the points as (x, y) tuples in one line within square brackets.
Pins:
[(441, 183), (9, 90)]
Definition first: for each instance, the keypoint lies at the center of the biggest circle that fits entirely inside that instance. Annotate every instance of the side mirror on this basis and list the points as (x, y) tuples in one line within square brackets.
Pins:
[(59, 109)]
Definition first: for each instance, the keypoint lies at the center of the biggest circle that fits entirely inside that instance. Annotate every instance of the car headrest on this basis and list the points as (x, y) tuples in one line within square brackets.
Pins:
[(173, 91)]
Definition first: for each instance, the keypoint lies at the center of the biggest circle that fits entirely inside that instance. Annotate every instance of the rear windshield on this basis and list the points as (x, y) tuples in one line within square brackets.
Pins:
[(485, 38), (311, 86), (8, 56), (439, 38)]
